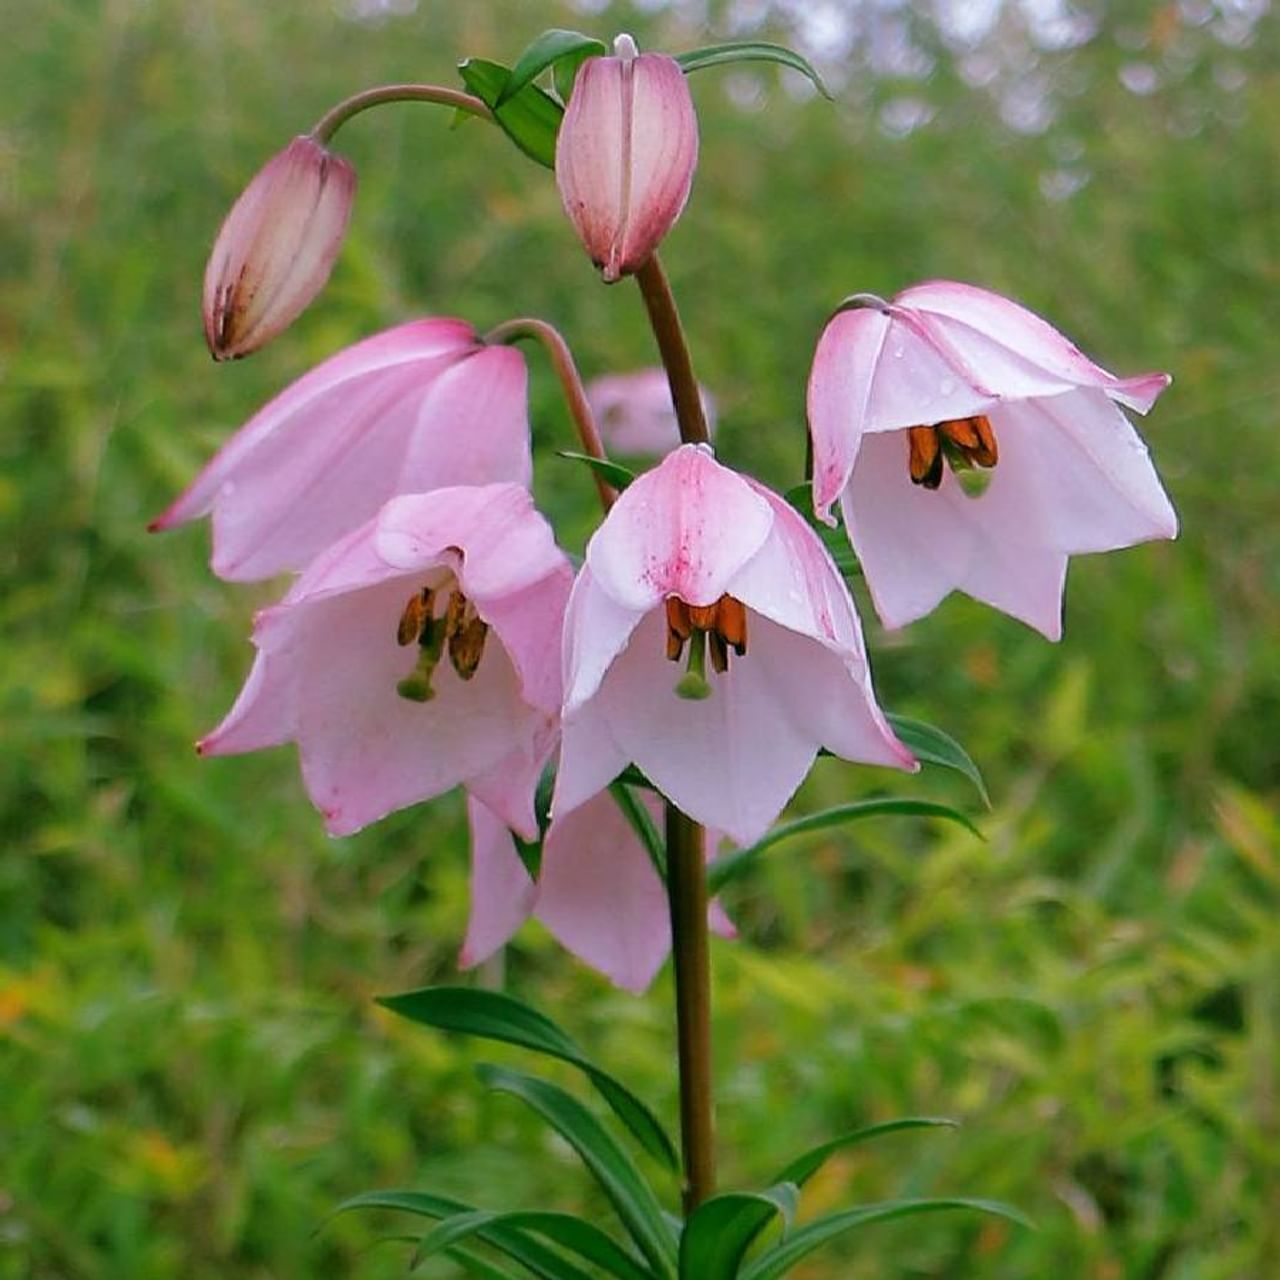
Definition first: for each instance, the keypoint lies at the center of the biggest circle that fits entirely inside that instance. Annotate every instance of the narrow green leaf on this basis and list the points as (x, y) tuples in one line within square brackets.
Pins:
[(494, 1015), (545, 1263), (631, 1196), (530, 118), (612, 472), (574, 1234), (547, 50), (722, 1229), (643, 825), (930, 744), (719, 55), (474, 1265), (797, 1246), (733, 864), (803, 1167)]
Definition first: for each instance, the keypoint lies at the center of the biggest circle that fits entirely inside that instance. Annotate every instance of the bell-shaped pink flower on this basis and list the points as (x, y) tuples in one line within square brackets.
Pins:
[(973, 448), (276, 247), (635, 413), (698, 565), (625, 155), (419, 652), (422, 406), (597, 891)]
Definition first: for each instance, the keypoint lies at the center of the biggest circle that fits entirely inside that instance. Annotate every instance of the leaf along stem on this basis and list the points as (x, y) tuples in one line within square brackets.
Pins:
[(338, 115)]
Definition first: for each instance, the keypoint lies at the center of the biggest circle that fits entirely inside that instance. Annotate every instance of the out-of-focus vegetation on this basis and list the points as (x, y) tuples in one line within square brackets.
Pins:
[(192, 1072)]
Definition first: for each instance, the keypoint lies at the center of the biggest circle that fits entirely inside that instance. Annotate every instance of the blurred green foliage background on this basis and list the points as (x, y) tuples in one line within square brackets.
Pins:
[(192, 1072)]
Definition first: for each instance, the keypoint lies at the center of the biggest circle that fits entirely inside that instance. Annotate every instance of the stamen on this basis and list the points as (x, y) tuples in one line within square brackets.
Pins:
[(731, 623), (721, 626), (974, 438), (466, 647), (465, 633), (924, 456), (416, 615), (961, 442), (679, 627), (719, 652)]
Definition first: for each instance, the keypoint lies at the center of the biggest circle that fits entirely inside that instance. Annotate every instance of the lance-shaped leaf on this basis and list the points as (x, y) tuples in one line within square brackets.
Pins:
[(631, 1196), (492, 1015), (719, 55), (611, 472), (530, 118), (800, 1244), (732, 865), (549, 50), (803, 1167), (582, 1238), (722, 1229), (544, 1262), (930, 745)]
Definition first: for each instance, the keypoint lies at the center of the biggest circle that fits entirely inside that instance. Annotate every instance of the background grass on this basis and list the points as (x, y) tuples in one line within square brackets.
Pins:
[(191, 1070)]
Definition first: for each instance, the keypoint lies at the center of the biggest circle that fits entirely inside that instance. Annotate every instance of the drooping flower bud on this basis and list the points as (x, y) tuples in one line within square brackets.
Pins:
[(626, 154), (276, 247)]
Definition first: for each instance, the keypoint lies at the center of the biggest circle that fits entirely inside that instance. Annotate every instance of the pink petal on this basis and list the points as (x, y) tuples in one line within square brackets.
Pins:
[(417, 406), (512, 570), (600, 896), (916, 546), (366, 751), (509, 787), (682, 529), (596, 629), (731, 761), (874, 371), (473, 425), (329, 662), (502, 894), (1016, 351)]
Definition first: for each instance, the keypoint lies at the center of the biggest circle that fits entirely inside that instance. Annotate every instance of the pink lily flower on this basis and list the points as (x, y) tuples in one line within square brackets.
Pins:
[(972, 447), (276, 247), (597, 891), (635, 413), (694, 555), (419, 652), (625, 155), (422, 406)]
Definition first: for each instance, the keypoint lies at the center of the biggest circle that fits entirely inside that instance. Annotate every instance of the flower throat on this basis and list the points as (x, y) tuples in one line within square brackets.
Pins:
[(963, 442), (719, 627), (459, 630)]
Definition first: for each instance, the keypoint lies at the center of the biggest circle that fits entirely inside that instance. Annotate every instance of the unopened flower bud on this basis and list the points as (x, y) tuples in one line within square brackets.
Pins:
[(276, 248), (625, 156)]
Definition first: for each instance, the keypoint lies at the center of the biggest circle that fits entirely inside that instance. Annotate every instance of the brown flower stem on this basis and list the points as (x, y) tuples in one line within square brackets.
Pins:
[(686, 839), (665, 322), (570, 383), (687, 892), (337, 116)]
